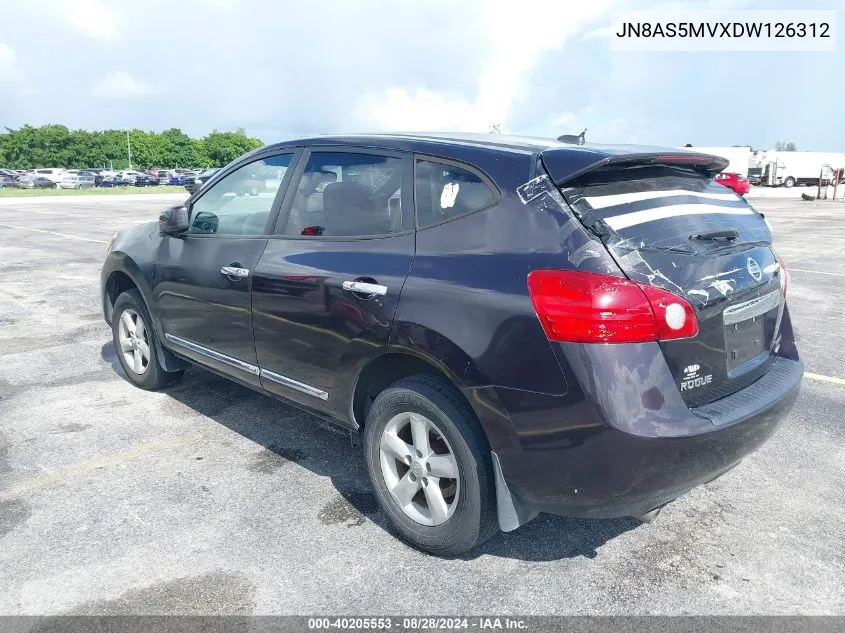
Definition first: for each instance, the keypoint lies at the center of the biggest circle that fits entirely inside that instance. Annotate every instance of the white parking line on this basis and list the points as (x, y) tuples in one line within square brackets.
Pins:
[(820, 377), (815, 272), (73, 237), (83, 468)]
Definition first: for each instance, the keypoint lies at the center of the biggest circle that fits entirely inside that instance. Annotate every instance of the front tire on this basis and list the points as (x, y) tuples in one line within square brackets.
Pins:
[(135, 343), (789, 182), (430, 467)]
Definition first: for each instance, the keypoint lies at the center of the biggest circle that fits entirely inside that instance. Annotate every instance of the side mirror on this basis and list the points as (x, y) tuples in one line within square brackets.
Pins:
[(174, 220)]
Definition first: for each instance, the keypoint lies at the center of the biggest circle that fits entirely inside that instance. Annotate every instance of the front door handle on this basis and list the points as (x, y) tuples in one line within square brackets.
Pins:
[(364, 288), (235, 272)]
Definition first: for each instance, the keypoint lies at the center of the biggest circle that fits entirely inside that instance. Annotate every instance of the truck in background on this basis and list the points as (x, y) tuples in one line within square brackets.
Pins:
[(789, 169)]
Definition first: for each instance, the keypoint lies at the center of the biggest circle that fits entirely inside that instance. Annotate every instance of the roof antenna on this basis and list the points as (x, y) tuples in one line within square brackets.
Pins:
[(577, 139)]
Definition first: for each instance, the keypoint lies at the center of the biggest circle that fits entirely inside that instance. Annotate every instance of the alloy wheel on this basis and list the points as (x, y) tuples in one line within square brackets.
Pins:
[(134, 340), (419, 468)]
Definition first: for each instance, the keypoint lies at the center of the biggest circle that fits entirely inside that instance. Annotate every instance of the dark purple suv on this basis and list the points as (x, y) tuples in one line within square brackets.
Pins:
[(507, 325)]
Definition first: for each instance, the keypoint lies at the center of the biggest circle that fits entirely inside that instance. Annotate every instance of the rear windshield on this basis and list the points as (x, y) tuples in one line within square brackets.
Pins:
[(661, 206)]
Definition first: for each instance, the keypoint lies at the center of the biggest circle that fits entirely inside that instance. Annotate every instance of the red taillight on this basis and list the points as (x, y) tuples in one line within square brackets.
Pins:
[(784, 276), (583, 307)]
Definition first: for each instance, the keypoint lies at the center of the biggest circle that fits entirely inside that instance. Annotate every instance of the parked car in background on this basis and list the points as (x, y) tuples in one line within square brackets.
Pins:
[(739, 184), (755, 175), (178, 178), (144, 180), (24, 181), (482, 314), (79, 180), (130, 176), (30, 181), (117, 180), (53, 173), (195, 183), (163, 176), (102, 175), (6, 181), (9, 172)]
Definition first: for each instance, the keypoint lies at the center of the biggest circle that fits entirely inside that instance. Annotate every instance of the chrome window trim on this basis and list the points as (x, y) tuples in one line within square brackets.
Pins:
[(294, 384), (752, 308), (210, 353)]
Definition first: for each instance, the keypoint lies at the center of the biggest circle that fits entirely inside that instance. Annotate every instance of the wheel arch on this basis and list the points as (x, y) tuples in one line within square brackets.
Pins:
[(383, 371), (116, 284), (120, 274)]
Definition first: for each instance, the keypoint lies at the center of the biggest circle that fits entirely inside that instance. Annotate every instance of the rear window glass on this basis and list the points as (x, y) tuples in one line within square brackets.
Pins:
[(661, 206), (444, 191)]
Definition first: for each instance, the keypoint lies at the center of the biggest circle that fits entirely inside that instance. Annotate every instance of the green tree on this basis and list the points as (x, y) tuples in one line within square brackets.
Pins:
[(786, 146), (222, 148), (30, 147), (180, 149)]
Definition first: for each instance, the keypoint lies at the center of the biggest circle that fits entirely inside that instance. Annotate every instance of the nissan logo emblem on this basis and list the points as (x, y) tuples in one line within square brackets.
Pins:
[(754, 269)]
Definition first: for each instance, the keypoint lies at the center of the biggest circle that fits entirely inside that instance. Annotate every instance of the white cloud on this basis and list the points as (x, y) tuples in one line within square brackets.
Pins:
[(121, 85), (419, 109), (10, 70), (519, 33), (603, 32), (94, 18)]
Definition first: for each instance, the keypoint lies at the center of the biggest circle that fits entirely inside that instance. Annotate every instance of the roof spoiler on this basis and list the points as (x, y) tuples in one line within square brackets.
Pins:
[(567, 164)]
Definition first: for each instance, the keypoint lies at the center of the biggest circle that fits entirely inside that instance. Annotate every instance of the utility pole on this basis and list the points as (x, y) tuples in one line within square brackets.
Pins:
[(129, 149)]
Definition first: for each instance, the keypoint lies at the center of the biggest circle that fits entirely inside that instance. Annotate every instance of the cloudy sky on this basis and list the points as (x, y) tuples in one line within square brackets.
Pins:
[(283, 68)]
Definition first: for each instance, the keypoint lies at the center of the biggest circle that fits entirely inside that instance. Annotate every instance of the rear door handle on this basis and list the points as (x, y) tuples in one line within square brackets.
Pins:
[(234, 272), (364, 288)]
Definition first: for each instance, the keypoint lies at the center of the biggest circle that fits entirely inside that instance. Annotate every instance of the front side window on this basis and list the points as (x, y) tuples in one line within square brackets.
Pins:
[(347, 194), (444, 191), (240, 203)]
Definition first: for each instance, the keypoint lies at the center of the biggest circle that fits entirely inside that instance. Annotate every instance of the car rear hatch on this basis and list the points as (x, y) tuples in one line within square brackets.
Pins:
[(668, 224)]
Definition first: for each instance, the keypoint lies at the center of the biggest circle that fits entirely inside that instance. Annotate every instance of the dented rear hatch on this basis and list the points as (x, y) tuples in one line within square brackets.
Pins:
[(666, 223)]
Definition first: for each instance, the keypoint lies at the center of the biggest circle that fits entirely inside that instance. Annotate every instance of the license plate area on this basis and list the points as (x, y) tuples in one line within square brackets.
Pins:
[(745, 341)]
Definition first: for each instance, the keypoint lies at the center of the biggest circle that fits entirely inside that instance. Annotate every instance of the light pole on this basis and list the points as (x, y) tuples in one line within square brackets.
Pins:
[(129, 149)]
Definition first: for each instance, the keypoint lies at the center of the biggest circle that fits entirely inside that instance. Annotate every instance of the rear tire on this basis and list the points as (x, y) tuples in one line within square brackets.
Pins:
[(135, 343), (430, 467)]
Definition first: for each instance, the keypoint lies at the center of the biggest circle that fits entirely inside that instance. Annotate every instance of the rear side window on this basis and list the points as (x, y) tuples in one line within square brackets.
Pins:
[(444, 191), (347, 194)]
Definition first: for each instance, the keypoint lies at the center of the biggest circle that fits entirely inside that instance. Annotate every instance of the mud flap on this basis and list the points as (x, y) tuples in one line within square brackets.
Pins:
[(511, 511)]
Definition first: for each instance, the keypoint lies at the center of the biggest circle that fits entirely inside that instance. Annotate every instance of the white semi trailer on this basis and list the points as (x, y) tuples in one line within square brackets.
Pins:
[(800, 168)]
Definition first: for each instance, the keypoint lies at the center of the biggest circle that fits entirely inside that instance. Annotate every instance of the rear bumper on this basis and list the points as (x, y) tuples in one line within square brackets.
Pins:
[(576, 459)]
